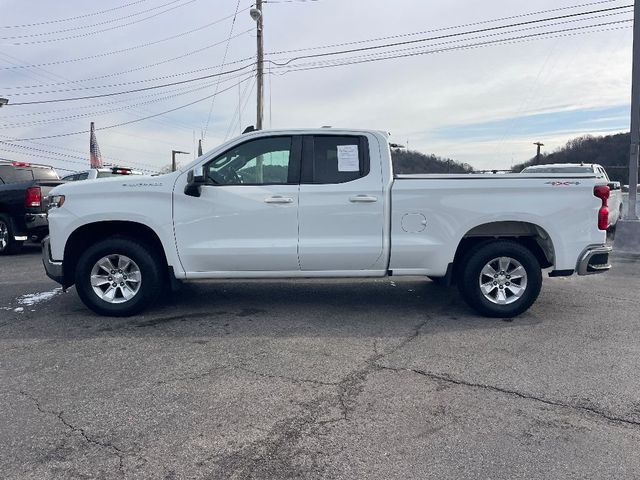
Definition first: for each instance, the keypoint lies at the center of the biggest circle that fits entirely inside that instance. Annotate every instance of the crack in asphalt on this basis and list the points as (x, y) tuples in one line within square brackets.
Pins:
[(278, 450), (350, 387), (515, 393), (59, 415)]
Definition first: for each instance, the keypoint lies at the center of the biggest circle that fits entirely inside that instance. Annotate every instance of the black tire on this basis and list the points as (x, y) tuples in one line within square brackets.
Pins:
[(470, 278), (8, 245), (150, 268)]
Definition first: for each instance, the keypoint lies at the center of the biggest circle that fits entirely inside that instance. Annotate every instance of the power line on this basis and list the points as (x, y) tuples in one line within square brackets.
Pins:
[(113, 102), (105, 22), (240, 108), (25, 147), (465, 25), (131, 91), (132, 121), (88, 34), (131, 82), (439, 37), (448, 42), (67, 160), (112, 110), (49, 22), (123, 50), (508, 40), (143, 67), (224, 59), (342, 52), (51, 74)]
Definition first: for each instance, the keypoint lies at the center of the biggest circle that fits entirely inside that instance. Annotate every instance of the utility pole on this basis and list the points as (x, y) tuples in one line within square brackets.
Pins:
[(628, 230), (173, 158), (259, 18), (635, 116), (538, 153)]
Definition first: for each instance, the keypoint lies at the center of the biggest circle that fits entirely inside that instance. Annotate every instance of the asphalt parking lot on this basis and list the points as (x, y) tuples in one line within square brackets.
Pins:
[(384, 379)]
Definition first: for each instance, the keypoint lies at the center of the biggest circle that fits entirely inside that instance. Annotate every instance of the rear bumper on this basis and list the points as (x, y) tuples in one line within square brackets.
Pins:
[(594, 259), (31, 224), (54, 269)]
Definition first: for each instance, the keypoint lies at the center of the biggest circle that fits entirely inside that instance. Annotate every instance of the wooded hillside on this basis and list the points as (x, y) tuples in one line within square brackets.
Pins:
[(410, 161), (611, 151)]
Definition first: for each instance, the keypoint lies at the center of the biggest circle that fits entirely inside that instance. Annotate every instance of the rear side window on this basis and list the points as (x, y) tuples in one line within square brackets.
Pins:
[(335, 159), (45, 174), (14, 175)]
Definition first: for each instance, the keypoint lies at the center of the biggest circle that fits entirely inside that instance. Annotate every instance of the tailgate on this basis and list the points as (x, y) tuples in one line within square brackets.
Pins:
[(45, 187)]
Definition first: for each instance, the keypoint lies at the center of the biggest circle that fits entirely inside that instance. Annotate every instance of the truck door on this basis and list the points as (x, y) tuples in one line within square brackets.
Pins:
[(341, 214), (246, 218)]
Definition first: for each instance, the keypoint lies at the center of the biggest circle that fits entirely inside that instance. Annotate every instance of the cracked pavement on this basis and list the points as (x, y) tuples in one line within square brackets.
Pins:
[(321, 380)]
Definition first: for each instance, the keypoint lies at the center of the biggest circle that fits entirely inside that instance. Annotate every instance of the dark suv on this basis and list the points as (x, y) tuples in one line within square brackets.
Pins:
[(24, 190)]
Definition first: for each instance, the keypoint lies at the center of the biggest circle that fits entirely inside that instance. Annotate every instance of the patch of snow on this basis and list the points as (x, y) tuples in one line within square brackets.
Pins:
[(31, 299), (19, 309)]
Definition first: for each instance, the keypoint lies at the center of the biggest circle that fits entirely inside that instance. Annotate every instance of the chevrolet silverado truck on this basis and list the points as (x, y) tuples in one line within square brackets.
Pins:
[(23, 203), (323, 203)]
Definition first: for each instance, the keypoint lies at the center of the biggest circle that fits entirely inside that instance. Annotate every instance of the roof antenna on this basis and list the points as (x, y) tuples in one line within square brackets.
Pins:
[(249, 129)]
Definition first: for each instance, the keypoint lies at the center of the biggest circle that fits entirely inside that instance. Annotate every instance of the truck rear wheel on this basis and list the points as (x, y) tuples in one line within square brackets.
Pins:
[(8, 244), (118, 277), (500, 279)]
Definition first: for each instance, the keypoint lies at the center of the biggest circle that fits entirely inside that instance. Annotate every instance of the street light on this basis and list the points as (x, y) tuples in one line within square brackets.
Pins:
[(173, 158), (3, 101)]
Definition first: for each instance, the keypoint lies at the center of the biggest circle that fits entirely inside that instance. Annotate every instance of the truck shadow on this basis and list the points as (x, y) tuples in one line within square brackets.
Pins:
[(280, 309)]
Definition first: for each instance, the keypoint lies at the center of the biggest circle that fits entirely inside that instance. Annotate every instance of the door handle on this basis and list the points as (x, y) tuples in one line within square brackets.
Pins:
[(278, 199), (363, 199)]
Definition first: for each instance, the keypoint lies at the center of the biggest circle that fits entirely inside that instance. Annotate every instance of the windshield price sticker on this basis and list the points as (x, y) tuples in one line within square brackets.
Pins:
[(348, 159)]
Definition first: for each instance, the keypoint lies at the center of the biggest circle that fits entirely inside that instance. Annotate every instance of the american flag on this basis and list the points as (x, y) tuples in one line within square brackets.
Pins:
[(94, 151)]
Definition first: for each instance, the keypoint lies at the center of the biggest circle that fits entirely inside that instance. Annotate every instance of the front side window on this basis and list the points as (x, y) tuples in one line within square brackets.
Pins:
[(264, 161)]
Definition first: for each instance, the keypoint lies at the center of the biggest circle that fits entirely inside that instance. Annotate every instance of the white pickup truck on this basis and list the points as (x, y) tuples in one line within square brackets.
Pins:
[(322, 203)]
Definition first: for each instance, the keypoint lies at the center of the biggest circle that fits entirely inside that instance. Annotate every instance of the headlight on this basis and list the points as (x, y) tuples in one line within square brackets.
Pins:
[(56, 201)]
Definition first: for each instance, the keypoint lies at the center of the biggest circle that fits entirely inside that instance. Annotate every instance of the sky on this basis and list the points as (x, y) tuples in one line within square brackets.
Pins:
[(467, 86)]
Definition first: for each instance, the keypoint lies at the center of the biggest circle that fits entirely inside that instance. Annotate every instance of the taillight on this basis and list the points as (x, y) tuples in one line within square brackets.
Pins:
[(602, 192), (33, 198)]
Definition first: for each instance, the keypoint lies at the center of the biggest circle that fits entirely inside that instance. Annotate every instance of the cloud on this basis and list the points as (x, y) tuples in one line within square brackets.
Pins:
[(481, 105)]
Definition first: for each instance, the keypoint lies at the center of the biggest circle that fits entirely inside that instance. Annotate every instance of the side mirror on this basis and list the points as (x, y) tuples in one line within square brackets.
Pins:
[(614, 185), (195, 179)]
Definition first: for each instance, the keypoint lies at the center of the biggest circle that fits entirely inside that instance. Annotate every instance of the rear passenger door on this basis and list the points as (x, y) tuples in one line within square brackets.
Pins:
[(341, 211)]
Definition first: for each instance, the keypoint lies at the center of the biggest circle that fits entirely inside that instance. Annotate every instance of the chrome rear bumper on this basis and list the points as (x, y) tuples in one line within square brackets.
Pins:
[(594, 259)]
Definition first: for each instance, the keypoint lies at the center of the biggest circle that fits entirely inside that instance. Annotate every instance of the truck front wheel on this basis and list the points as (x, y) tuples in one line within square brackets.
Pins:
[(500, 279), (118, 277)]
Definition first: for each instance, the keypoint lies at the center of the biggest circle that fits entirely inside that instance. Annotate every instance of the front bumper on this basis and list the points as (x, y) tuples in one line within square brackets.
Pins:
[(54, 269), (594, 259)]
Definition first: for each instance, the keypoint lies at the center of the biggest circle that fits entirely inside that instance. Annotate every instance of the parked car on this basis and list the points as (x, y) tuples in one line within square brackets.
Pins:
[(615, 198), (94, 173), (323, 203), (24, 190)]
